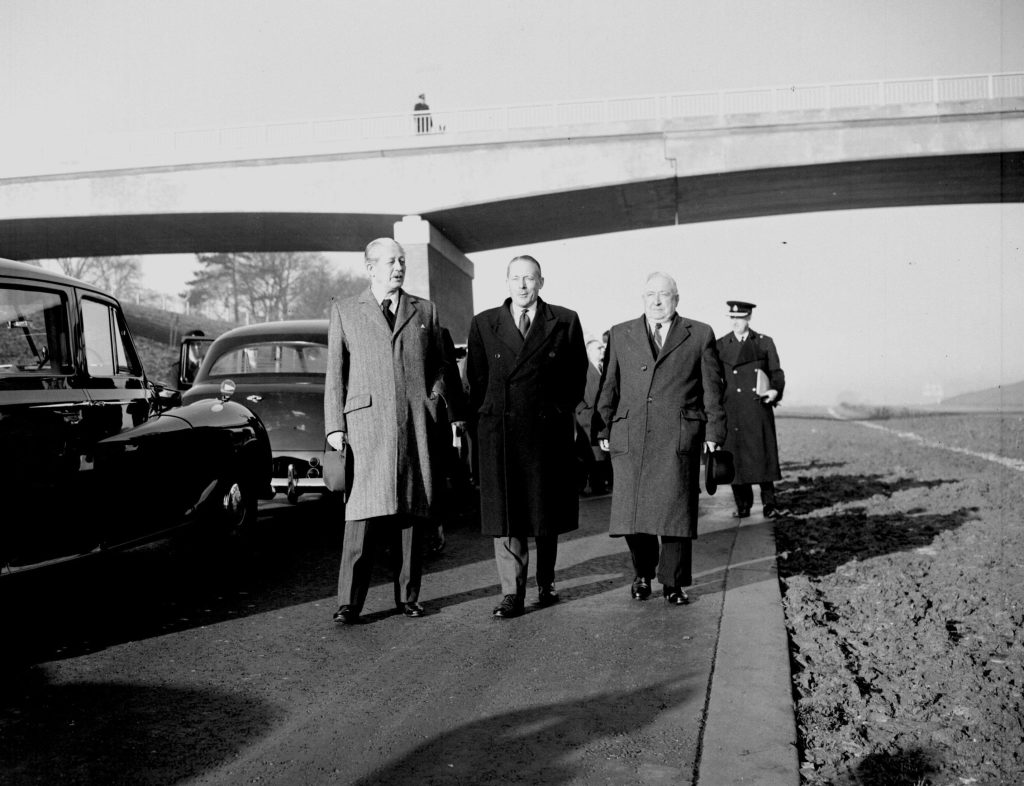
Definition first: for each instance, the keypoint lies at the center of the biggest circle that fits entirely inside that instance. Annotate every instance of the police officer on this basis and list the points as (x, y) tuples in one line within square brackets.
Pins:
[(747, 356)]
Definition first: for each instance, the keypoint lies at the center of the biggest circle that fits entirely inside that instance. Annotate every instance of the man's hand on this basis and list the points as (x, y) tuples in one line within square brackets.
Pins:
[(770, 396), (710, 447), (604, 445), (337, 440)]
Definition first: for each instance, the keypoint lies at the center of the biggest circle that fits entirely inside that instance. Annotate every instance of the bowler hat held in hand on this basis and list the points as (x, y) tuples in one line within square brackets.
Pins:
[(719, 471), (335, 470)]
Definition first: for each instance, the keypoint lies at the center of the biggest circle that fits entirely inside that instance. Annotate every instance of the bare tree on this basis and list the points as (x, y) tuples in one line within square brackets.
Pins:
[(121, 276)]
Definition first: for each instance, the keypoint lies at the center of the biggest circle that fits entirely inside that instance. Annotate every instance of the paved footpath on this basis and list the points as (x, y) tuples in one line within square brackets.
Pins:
[(249, 682)]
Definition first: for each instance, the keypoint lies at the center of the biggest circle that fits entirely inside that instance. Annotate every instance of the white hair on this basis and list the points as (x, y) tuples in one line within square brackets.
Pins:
[(666, 276)]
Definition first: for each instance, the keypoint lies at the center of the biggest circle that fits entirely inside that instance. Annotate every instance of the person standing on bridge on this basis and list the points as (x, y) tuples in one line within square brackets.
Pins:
[(527, 368), (748, 357), (660, 405), (383, 391), (421, 112)]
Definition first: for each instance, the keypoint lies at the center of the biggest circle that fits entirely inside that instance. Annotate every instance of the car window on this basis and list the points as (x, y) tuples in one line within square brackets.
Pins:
[(271, 357), (107, 347), (33, 332)]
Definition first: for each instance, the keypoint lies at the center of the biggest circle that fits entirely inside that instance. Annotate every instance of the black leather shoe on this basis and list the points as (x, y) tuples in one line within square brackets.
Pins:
[(412, 609), (641, 589), (510, 606), (675, 596), (346, 615), (770, 512), (546, 596), (741, 513)]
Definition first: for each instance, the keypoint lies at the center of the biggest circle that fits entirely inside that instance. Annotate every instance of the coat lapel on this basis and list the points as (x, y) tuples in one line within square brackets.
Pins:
[(636, 338), (407, 309), (368, 304), (505, 329), (538, 333), (677, 335)]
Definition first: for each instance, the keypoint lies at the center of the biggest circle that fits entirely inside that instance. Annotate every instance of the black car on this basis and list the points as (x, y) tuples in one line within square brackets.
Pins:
[(278, 369), (94, 456)]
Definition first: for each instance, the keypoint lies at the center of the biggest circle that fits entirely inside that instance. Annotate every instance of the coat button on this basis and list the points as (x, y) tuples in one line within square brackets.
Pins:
[(643, 368), (551, 354), (734, 371), (649, 399), (497, 354), (738, 390)]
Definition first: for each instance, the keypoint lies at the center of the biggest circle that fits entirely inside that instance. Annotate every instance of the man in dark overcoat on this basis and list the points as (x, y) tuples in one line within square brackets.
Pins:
[(660, 405), (596, 470), (383, 392), (527, 368), (751, 438)]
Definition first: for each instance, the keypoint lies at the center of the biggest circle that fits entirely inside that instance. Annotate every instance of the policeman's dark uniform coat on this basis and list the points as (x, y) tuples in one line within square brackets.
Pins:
[(751, 435), (524, 396), (658, 414)]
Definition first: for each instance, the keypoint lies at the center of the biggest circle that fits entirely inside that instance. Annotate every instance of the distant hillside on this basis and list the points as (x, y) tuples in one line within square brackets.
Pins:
[(157, 334), (167, 327), (1006, 396)]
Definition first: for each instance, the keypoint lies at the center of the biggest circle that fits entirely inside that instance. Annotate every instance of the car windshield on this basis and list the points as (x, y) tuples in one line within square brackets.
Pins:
[(33, 332), (271, 357)]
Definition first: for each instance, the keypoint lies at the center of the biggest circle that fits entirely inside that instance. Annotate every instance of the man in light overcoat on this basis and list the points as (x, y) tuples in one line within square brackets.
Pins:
[(382, 396), (660, 406), (755, 448), (527, 367)]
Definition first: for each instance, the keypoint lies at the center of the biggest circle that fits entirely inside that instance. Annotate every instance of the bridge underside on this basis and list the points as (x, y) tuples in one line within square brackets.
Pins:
[(930, 180)]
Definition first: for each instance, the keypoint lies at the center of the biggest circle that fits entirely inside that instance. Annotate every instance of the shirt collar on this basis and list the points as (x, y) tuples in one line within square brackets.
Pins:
[(517, 310), (379, 295), (666, 323)]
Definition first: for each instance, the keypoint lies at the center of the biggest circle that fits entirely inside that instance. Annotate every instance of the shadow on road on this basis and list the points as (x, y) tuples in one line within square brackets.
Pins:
[(817, 545), (547, 744), (91, 733)]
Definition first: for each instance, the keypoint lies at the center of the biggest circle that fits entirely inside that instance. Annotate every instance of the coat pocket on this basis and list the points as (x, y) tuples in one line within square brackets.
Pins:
[(691, 430), (352, 403), (618, 434)]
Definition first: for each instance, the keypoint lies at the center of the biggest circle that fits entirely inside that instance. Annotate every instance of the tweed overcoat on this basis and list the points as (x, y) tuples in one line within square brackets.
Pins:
[(657, 414), (524, 397), (751, 437), (384, 388)]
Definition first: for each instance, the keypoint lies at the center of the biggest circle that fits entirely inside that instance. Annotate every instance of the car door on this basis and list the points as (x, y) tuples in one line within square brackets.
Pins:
[(44, 433)]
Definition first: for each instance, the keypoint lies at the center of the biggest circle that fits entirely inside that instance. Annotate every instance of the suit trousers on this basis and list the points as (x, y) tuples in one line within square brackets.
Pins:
[(743, 493), (404, 534), (672, 563), (512, 556)]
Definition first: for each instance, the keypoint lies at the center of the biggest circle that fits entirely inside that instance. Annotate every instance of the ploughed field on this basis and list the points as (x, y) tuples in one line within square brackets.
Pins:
[(902, 570)]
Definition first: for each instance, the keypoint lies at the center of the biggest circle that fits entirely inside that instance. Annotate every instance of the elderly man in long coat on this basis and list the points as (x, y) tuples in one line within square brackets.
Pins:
[(661, 404), (384, 385), (527, 367), (751, 439)]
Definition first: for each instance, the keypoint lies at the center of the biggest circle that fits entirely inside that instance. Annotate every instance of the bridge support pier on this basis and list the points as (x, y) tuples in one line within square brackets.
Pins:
[(439, 271)]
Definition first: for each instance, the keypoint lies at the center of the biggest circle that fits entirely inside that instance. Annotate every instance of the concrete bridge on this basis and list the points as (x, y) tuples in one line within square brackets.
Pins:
[(507, 176)]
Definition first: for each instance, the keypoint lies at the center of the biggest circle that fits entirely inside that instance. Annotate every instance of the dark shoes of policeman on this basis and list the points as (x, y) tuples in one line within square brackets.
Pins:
[(741, 513), (546, 596), (510, 606), (770, 512), (347, 615), (675, 596), (412, 609), (641, 589)]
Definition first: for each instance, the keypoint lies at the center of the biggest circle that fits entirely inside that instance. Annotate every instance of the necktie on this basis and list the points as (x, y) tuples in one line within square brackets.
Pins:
[(657, 335), (524, 322), (385, 306)]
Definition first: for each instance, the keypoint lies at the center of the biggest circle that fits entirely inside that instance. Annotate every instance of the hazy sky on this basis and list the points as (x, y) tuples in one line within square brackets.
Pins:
[(879, 303)]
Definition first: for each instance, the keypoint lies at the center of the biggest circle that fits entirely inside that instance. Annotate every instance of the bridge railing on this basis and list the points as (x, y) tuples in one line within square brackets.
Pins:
[(722, 108)]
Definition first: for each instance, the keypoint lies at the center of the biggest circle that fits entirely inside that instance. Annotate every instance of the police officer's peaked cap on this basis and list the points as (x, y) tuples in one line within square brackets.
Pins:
[(739, 308)]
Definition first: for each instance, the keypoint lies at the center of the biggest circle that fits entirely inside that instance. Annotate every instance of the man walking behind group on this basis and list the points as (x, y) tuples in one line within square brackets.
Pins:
[(385, 380), (660, 405), (746, 355), (527, 368)]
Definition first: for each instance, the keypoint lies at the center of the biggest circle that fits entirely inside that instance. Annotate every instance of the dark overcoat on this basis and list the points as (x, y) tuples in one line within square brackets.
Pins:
[(658, 412), (524, 396), (384, 388), (751, 437), (585, 412)]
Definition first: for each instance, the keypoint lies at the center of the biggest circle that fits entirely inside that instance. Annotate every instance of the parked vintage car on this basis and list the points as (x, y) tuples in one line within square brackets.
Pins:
[(278, 369), (94, 456)]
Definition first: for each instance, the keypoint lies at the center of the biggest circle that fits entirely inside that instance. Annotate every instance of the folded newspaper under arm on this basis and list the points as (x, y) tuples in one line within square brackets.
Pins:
[(761, 383)]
